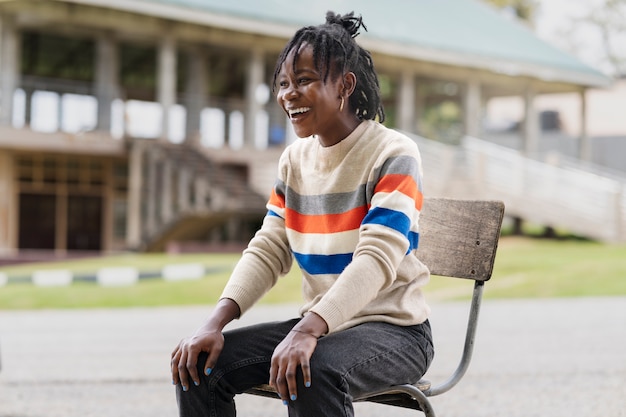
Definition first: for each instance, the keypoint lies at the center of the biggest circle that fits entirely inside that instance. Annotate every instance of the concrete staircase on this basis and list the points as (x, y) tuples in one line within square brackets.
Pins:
[(187, 194), (555, 191)]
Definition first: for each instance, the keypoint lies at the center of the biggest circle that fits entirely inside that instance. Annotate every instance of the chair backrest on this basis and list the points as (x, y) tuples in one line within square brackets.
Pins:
[(459, 238)]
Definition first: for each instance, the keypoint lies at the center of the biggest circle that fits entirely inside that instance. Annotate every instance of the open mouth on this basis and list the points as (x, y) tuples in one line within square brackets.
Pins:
[(294, 113)]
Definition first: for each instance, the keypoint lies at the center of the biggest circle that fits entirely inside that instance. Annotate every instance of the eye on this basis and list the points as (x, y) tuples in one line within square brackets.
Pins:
[(303, 80)]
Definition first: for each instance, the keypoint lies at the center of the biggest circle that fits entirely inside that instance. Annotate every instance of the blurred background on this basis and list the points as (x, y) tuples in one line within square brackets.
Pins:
[(151, 126), (139, 142)]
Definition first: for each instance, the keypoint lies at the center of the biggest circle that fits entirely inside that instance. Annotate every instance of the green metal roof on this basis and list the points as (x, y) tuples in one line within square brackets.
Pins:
[(458, 32)]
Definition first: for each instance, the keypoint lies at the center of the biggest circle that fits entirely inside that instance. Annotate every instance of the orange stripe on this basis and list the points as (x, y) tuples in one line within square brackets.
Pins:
[(276, 200), (325, 223), (403, 183), (419, 201)]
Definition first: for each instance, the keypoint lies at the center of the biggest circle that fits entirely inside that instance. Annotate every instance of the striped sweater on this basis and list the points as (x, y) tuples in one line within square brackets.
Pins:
[(348, 214)]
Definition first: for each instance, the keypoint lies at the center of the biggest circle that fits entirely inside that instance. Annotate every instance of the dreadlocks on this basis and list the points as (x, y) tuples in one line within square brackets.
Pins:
[(335, 52)]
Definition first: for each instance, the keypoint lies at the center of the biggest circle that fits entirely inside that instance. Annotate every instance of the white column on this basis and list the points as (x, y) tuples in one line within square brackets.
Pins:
[(135, 180), (406, 102), (8, 215), (201, 188), (472, 108), (256, 73), (184, 180), (107, 82), (584, 149), (166, 80), (167, 202), (9, 67), (531, 122), (420, 105), (152, 193), (195, 92)]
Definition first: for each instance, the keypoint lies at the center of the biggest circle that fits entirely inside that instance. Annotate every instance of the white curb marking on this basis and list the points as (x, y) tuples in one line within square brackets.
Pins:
[(117, 276), (183, 272), (52, 278)]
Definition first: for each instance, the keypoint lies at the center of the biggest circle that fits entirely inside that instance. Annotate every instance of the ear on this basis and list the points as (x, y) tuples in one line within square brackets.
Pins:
[(349, 84)]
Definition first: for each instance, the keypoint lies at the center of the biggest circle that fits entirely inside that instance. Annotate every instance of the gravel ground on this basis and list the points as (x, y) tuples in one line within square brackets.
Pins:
[(554, 357)]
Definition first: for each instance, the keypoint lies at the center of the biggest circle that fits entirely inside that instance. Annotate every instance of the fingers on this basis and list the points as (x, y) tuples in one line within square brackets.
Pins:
[(184, 365), (182, 370), (306, 373), (274, 376), (284, 369), (178, 357), (292, 387), (190, 367), (174, 365), (285, 381), (281, 381), (211, 360)]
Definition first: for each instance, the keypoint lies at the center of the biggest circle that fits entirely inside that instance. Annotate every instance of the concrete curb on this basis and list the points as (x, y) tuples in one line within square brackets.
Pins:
[(111, 276)]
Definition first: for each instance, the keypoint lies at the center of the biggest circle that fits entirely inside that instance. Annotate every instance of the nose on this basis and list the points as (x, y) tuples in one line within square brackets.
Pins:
[(290, 92)]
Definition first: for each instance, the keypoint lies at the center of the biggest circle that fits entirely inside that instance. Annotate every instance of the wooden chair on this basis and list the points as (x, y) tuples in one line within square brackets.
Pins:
[(458, 239)]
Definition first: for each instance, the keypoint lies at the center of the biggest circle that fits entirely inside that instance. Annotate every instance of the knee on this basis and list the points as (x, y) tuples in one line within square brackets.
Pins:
[(325, 374)]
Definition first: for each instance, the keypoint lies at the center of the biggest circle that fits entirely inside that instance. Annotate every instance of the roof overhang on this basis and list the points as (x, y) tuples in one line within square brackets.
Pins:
[(501, 66)]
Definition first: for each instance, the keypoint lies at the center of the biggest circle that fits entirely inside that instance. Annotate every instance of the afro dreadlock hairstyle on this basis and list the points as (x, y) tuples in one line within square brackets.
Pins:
[(336, 52)]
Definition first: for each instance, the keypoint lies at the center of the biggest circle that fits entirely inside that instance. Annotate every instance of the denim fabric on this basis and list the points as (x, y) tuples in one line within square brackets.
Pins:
[(345, 365)]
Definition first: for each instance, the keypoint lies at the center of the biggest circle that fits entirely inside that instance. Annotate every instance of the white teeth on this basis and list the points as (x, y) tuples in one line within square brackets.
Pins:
[(292, 112)]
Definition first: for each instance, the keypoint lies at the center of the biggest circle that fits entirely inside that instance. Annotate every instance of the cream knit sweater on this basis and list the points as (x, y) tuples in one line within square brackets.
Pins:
[(349, 215)]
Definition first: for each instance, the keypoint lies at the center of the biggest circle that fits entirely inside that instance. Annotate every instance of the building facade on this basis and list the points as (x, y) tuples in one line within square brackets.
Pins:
[(129, 124)]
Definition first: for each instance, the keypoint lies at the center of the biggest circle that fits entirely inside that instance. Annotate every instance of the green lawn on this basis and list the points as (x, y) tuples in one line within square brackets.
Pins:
[(534, 267), (525, 267)]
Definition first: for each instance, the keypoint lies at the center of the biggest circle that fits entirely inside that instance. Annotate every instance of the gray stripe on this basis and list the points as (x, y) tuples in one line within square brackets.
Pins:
[(403, 164), (327, 203), (342, 202)]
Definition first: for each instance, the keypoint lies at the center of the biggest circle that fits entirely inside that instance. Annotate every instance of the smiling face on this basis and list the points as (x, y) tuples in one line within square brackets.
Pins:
[(312, 103)]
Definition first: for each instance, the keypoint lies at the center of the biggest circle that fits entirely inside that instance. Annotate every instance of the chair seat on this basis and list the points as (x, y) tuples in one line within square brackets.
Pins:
[(399, 400)]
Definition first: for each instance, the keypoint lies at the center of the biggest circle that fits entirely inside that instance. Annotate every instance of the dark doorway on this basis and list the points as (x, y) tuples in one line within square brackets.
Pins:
[(37, 221), (84, 223)]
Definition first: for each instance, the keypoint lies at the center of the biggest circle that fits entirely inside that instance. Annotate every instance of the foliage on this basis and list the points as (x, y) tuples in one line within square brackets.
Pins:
[(523, 9), (608, 19)]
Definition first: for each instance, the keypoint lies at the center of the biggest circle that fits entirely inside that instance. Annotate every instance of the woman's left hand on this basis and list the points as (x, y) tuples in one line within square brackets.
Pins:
[(293, 352)]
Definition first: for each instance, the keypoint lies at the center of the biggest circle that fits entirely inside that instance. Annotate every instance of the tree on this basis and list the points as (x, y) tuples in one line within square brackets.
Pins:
[(609, 21), (522, 9), (592, 30)]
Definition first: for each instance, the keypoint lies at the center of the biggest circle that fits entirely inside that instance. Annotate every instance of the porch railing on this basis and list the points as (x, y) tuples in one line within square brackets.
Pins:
[(557, 192)]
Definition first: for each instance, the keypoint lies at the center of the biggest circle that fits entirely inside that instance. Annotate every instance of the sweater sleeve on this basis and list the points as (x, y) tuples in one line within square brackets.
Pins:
[(372, 269), (267, 257)]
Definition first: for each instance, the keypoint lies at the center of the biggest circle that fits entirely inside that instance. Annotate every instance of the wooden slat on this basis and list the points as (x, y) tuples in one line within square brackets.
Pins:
[(459, 238)]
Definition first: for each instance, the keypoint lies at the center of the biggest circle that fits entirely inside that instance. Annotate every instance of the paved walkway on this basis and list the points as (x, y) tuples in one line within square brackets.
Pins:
[(556, 357)]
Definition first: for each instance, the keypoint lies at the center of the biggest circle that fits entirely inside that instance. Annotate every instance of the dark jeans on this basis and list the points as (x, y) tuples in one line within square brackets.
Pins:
[(345, 365)]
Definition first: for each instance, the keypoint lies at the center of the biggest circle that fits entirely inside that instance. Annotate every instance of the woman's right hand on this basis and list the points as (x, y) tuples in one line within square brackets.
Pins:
[(209, 339)]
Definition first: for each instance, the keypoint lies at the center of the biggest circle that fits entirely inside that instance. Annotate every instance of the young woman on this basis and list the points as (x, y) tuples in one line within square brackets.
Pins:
[(346, 207)]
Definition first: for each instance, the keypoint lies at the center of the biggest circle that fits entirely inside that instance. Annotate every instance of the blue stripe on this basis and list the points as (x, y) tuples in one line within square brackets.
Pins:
[(390, 218), (395, 220), (272, 213), (414, 239), (323, 264)]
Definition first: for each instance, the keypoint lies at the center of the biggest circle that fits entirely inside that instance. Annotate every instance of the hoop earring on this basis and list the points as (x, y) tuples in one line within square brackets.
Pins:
[(341, 105)]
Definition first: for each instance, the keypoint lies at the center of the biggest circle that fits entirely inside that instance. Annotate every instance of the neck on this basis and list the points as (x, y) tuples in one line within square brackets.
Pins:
[(344, 128)]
